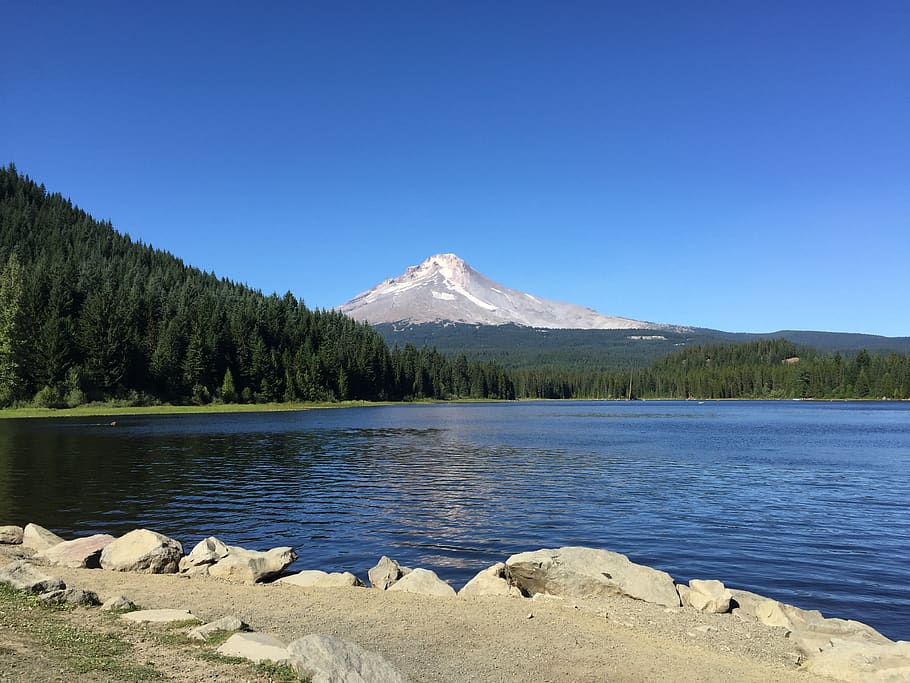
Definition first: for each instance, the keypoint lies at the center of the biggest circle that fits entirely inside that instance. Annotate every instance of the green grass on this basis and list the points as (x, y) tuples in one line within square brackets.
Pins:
[(110, 410), (78, 650)]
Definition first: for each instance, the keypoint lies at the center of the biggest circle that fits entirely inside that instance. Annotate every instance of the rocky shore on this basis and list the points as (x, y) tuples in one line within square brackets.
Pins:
[(566, 614)]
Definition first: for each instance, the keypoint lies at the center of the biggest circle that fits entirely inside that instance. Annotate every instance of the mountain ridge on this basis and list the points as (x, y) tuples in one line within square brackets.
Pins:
[(444, 288)]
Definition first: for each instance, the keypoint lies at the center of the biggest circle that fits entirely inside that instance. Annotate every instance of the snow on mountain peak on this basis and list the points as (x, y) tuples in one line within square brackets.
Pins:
[(445, 288)]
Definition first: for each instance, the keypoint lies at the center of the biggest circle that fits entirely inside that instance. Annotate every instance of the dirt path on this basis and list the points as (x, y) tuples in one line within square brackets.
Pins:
[(435, 640)]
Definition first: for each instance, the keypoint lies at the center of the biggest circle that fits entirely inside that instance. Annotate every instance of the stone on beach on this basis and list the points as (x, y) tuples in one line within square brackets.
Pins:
[(257, 647), (386, 572), (862, 662), (252, 566), (70, 596), (326, 659), (222, 625), (142, 551), (11, 535), (80, 553), (314, 578), (423, 581), (590, 573), (22, 575), (118, 603), (706, 596), (38, 538), (490, 581), (160, 616), (208, 551)]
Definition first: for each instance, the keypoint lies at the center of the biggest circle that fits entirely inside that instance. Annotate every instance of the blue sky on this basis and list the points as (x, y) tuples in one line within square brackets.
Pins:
[(737, 165)]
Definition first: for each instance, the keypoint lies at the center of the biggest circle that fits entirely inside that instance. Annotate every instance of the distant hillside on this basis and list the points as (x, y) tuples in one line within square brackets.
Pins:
[(515, 346)]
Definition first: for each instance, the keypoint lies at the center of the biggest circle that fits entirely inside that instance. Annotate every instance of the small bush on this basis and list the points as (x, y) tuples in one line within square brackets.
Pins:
[(49, 397)]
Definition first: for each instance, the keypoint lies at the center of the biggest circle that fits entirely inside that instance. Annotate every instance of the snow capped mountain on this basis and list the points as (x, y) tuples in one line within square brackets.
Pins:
[(445, 288)]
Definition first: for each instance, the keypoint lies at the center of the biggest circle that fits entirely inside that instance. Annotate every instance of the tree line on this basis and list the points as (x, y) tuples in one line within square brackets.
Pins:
[(87, 314), (766, 369)]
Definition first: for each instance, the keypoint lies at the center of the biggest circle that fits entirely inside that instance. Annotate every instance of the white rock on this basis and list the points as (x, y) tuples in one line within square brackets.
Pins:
[(23, 576), (252, 566), (862, 662), (11, 535), (423, 581), (257, 647), (590, 573), (207, 551), (326, 659), (38, 538), (709, 596), (79, 553), (386, 572), (143, 551), (118, 603), (206, 631), (314, 578), (159, 616), (490, 581)]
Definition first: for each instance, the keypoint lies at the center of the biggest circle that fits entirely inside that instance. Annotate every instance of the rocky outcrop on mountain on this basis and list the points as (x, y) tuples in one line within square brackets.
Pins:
[(445, 288)]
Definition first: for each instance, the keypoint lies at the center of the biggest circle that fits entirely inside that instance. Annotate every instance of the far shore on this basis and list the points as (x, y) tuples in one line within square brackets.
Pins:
[(108, 410)]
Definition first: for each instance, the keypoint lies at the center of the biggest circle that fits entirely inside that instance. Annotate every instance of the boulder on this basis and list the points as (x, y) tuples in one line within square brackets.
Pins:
[(386, 572), (257, 647), (423, 581), (490, 581), (207, 551), (118, 603), (590, 573), (708, 596), (143, 551), (314, 578), (862, 662), (159, 616), (70, 596), (326, 659), (11, 535), (23, 576), (252, 566), (809, 630), (222, 625), (81, 553), (38, 538)]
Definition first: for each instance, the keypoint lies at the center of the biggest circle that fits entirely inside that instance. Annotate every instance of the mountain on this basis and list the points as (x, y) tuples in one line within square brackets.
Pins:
[(446, 289)]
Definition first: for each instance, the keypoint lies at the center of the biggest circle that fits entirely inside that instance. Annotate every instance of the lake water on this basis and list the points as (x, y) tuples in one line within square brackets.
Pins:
[(805, 502)]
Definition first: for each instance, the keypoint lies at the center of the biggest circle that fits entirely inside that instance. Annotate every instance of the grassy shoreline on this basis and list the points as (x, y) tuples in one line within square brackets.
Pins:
[(107, 410)]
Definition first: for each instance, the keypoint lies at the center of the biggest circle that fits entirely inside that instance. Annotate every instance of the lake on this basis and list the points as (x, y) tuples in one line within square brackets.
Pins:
[(805, 502)]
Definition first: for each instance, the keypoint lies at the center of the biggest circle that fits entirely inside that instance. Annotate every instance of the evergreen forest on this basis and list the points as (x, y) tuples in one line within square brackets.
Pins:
[(87, 314)]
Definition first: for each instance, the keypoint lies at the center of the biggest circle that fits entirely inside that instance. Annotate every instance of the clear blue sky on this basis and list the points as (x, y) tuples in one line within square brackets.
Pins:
[(737, 165)]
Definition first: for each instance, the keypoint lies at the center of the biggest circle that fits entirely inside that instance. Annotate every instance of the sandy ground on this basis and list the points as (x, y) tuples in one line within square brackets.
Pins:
[(485, 640)]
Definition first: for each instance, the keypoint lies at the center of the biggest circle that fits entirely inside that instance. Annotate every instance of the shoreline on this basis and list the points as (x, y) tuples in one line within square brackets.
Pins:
[(103, 410), (544, 615)]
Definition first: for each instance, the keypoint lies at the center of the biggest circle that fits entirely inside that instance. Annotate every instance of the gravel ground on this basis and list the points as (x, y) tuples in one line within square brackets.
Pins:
[(484, 640)]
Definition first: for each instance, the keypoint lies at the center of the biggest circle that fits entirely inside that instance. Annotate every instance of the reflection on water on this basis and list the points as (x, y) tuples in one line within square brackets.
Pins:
[(801, 501)]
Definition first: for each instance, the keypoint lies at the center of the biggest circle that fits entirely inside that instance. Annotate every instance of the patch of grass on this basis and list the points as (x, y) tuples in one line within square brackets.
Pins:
[(277, 673), (106, 409), (78, 650)]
